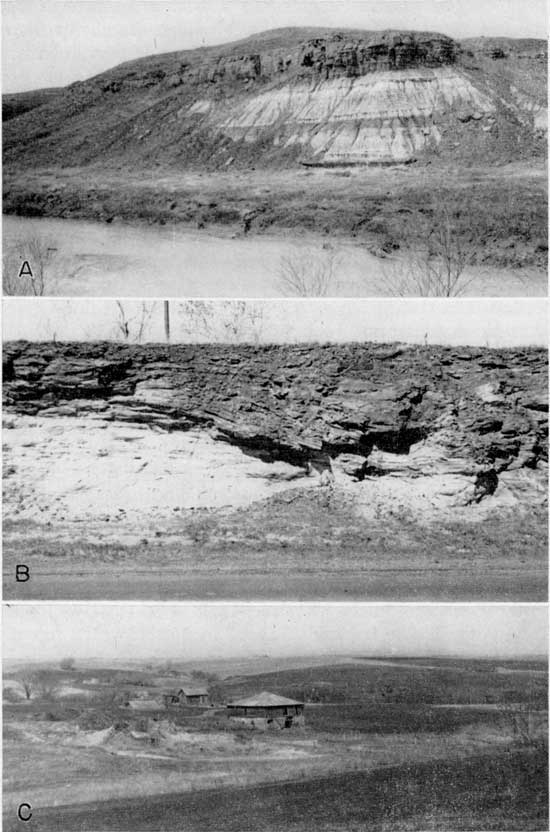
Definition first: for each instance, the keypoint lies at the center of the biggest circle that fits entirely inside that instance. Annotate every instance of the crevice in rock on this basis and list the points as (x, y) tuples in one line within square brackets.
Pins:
[(486, 484), (397, 442)]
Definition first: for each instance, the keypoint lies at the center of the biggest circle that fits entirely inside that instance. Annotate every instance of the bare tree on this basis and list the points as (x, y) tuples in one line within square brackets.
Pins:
[(27, 266), (67, 663), (132, 328), (32, 265), (422, 276), (308, 272), (27, 682), (46, 683), (230, 321), (439, 253)]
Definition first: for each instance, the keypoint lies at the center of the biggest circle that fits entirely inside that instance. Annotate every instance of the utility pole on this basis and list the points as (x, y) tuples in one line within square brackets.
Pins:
[(167, 320)]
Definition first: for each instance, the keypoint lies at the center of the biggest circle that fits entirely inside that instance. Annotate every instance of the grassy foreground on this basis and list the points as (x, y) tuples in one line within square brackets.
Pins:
[(505, 792), (295, 549)]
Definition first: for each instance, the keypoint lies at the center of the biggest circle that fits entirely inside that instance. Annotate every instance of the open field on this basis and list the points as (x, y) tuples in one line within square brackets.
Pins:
[(429, 796), (406, 744)]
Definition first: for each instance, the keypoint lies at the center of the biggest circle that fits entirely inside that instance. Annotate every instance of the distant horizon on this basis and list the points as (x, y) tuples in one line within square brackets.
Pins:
[(535, 657), (82, 39), (216, 631)]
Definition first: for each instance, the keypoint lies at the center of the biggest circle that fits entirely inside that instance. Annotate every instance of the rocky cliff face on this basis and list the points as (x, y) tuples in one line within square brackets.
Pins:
[(318, 96), (460, 424), (331, 56)]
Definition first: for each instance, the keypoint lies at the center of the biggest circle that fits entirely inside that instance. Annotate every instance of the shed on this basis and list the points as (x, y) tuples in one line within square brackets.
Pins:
[(267, 710), (187, 696)]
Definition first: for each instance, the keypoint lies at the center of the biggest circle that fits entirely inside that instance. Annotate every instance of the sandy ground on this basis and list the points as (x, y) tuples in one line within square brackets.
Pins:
[(78, 470)]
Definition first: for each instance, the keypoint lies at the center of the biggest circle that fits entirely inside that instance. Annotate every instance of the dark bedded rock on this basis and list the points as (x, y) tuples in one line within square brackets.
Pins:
[(479, 410)]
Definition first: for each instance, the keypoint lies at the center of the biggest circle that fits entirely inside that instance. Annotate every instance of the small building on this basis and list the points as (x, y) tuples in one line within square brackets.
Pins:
[(267, 711), (187, 696)]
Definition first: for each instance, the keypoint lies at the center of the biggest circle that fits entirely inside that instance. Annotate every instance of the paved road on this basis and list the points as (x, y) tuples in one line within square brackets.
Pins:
[(110, 583)]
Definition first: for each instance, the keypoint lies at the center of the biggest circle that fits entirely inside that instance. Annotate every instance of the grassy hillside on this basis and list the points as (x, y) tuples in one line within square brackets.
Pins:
[(478, 682), (461, 795), (15, 104)]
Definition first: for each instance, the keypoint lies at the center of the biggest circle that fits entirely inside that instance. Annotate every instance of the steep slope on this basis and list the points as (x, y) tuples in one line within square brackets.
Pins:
[(318, 97)]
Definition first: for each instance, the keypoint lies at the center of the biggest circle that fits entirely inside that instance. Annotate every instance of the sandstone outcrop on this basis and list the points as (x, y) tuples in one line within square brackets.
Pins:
[(460, 424), (333, 55)]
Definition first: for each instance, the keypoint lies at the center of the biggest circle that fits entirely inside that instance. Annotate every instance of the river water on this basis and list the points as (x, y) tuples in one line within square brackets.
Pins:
[(122, 260)]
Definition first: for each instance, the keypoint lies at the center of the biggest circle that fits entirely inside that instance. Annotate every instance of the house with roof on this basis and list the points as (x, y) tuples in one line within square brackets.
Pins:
[(267, 711), (187, 696)]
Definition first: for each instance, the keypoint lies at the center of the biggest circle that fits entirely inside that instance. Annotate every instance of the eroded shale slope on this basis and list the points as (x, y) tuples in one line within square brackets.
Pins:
[(433, 427), (314, 96)]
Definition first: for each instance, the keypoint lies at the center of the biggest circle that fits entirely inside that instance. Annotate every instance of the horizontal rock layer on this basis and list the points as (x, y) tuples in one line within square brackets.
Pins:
[(361, 410), (387, 117), (330, 56)]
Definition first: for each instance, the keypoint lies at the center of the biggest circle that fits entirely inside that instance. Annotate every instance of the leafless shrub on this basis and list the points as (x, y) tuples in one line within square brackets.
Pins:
[(533, 280), (10, 695), (32, 266), (27, 683), (308, 272), (421, 276), (27, 266), (133, 328), (44, 683), (226, 321), (438, 254), (47, 683)]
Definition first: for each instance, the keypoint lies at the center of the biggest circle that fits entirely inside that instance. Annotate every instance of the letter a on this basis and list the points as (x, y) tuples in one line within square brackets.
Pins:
[(25, 270)]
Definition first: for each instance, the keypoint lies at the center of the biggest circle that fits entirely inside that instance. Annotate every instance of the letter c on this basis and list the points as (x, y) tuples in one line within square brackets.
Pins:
[(24, 807)]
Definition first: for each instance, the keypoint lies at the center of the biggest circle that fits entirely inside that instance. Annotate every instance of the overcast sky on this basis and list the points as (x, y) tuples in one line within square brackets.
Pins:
[(55, 42), (475, 321), (195, 631)]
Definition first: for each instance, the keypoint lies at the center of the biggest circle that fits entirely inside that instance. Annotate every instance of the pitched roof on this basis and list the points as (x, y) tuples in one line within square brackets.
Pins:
[(263, 700), (194, 691)]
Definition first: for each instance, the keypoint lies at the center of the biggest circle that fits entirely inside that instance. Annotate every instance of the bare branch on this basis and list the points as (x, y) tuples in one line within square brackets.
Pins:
[(230, 321), (308, 272)]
